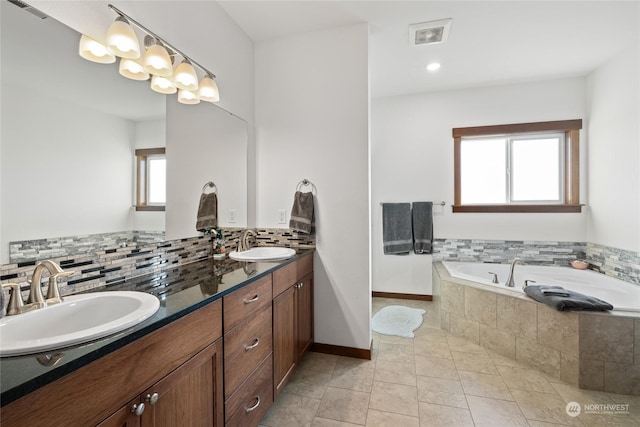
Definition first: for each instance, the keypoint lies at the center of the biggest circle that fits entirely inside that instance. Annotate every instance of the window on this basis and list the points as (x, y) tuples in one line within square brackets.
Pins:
[(151, 179), (529, 167)]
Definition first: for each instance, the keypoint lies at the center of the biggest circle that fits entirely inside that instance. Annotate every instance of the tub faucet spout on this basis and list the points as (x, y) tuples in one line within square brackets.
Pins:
[(510, 283)]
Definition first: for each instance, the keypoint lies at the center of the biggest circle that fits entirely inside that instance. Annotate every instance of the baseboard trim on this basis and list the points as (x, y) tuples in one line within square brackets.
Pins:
[(401, 296), (359, 353)]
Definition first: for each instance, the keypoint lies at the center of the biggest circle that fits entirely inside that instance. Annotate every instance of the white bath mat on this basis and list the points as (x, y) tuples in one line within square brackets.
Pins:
[(397, 320)]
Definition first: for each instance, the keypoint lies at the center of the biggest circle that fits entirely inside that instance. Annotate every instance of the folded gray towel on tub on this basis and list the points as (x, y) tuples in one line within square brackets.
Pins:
[(397, 236), (422, 227), (302, 212), (567, 301), (207, 212)]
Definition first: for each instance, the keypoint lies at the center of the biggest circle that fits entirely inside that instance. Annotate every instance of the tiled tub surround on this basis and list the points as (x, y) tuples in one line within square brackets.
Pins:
[(619, 263), (593, 350)]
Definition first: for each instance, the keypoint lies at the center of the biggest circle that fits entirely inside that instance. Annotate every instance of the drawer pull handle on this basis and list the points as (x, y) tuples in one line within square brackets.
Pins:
[(254, 407), (252, 346), (138, 409), (152, 398), (254, 299)]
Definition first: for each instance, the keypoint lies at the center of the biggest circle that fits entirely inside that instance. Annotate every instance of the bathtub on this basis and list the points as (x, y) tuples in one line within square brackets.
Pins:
[(622, 295)]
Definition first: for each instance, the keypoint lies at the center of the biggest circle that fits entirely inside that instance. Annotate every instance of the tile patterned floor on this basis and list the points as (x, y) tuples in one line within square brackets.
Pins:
[(437, 380)]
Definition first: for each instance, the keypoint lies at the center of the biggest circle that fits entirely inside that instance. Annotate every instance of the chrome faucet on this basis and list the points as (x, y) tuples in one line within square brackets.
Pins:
[(510, 283), (244, 244), (36, 299)]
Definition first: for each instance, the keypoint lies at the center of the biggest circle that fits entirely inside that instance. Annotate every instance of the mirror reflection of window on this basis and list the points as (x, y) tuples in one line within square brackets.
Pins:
[(151, 176), (157, 180)]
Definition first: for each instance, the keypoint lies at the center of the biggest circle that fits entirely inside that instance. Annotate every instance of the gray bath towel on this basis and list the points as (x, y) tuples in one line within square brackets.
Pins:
[(397, 236), (423, 227), (573, 301), (302, 212), (207, 212)]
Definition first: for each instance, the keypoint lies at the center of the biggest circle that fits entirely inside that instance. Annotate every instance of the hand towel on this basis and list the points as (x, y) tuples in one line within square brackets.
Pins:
[(574, 301), (423, 227), (397, 236), (302, 212), (207, 212), (554, 290)]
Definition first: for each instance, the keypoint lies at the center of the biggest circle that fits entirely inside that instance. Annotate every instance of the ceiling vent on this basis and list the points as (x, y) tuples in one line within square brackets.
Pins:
[(431, 32), (29, 8)]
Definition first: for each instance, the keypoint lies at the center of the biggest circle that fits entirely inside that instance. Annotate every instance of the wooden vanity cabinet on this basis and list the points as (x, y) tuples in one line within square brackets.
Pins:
[(170, 358), (248, 344), (292, 318), (191, 395)]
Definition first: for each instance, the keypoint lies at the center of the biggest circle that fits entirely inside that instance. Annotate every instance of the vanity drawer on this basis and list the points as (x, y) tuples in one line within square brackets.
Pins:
[(291, 273), (246, 301), (245, 346), (238, 408)]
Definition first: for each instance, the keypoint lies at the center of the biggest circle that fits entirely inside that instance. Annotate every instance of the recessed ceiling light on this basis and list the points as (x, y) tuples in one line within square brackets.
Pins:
[(433, 66)]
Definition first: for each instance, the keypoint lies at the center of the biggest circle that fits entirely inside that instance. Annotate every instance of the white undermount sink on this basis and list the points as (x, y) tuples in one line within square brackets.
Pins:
[(78, 319), (263, 253)]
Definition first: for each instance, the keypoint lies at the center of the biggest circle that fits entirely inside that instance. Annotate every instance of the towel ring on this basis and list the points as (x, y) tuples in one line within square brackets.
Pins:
[(209, 184), (304, 183)]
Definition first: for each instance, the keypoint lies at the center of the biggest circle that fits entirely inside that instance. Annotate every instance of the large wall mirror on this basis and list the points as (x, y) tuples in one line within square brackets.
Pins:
[(69, 130)]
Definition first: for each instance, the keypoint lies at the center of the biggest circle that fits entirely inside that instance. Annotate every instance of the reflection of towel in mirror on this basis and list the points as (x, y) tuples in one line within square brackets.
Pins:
[(571, 301), (302, 212), (397, 237), (422, 227), (207, 212)]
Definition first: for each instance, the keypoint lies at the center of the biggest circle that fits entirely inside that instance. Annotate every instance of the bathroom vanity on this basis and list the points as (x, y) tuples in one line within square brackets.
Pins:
[(224, 342)]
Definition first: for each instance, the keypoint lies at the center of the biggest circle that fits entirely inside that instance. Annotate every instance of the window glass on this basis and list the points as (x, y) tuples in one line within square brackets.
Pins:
[(483, 168), (157, 180), (536, 169)]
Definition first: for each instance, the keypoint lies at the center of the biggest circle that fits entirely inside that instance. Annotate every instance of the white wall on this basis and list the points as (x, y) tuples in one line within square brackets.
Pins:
[(44, 179), (614, 152), (204, 144), (412, 160), (312, 122)]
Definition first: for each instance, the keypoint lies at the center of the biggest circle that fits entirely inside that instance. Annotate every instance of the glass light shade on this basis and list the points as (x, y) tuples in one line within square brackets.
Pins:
[(122, 40), (94, 51), (187, 97), (132, 69), (208, 90), (185, 76), (163, 85), (157, 61)]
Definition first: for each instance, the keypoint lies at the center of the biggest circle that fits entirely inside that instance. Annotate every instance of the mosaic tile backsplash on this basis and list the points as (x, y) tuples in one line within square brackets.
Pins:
[(126, 259)]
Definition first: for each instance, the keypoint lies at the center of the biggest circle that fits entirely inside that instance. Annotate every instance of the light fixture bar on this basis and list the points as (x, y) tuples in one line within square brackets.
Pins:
[(164, 42)]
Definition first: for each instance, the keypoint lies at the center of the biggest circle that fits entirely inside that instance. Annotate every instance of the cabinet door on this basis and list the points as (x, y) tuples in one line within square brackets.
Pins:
[(284, 338), (127, 416), (189, 396), (304, 297)]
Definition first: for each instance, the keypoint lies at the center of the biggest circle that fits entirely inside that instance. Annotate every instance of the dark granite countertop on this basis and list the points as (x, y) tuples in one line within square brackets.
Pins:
[(181, 290)]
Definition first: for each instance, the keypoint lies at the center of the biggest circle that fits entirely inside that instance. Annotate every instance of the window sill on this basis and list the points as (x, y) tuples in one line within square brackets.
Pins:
[(519, 208), (150, 208)]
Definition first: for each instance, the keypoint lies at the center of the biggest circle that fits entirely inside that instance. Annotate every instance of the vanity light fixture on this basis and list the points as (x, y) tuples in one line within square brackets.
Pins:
[(208, 89), (94, 51), (185, 76), (163, 85), (186, 96), (157, 61), (132, 69), (122, 40)]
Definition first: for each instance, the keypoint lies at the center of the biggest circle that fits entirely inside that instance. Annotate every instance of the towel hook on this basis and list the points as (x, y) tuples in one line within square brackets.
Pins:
[(305, 182), (210, 184)]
